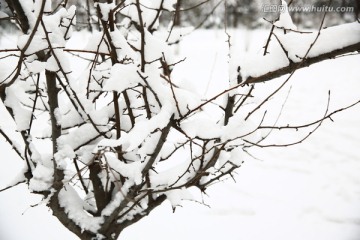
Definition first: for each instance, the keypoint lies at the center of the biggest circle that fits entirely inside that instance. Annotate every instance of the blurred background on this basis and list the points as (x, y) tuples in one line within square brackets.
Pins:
[(237, 13)]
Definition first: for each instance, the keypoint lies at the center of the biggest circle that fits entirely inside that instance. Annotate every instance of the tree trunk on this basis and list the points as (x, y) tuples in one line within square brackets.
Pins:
[(177, 18)]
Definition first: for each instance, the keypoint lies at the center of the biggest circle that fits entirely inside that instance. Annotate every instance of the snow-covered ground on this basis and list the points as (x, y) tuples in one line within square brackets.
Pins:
[(305, 192)]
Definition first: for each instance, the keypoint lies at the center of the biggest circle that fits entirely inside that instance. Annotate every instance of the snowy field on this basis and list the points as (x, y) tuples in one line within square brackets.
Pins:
[(304, 192)]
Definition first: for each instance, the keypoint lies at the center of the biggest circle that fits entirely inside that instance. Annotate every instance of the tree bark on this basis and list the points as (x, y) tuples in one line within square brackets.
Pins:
[(177, 17)]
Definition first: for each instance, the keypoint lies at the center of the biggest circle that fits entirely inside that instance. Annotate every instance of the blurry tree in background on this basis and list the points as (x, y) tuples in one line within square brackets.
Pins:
[(106, 131), (212, 13)]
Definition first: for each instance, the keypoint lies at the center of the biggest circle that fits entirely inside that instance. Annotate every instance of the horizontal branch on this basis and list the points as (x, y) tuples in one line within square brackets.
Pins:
[(10, 50), (297, 127), (84, 51), (304, 63)]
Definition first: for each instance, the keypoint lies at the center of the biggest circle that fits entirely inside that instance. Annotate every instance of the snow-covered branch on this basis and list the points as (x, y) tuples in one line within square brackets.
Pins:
[(261, 68)]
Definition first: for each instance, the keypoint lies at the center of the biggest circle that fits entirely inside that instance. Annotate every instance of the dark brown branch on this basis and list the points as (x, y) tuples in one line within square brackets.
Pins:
[(7, 138), (158, 11), (53, 107), (105, 26), (270, 96), (86, 51), (209, 100), (293, 143), (229, 109), (284, 49), (88, 15), (142, 33), (80, 176), (305, 63), (60, 213), (314, 122), (15, 5), (268, 40), (297, 66), (117, 122), (245, 98), (120, 227), (9, 50), (277, 119), (68, 82), (159, 145), (11, 186), (128, 106), (35, 101), (146, 102), (102, 198)]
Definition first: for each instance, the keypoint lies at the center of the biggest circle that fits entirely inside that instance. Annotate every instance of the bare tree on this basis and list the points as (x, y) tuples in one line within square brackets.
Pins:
[(124, 136)]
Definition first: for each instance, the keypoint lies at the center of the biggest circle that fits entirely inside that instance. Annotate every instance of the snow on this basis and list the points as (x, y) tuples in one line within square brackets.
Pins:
[(20, 177), (177, 196), (123, 48), (237, 126), (298, 45), (42, 180), (15, 98), (94, 43), (169, 5), (254, 64), (52, 63), (199, 126), (64, 153), (132, 171), (28, 8), (122, 77), (143, 128), (156, 48), (170, 177), (78, 136), (293, 193), (37, 44), (73, 205), (56, 35), (148, 10), (178, 33), (285, 20), (147, 14), (36, 66), (119, 196), (306, 192)]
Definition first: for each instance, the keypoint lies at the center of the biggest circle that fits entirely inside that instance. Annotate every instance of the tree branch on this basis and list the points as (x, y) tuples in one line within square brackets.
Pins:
[(304, 63)]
